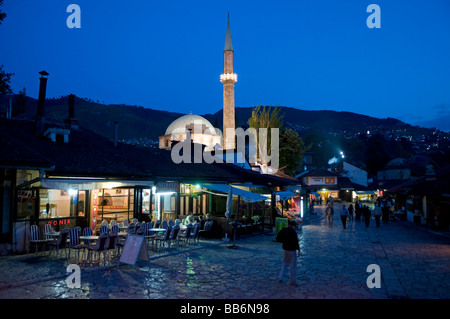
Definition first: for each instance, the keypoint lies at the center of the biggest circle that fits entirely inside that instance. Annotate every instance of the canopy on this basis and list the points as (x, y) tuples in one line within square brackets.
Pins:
[(285, 194), (246, 196), (315, 194), (88, 184)]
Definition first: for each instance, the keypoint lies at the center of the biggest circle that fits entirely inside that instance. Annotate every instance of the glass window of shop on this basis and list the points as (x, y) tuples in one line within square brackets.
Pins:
[(27, 200), (112, 204), (57, 203)]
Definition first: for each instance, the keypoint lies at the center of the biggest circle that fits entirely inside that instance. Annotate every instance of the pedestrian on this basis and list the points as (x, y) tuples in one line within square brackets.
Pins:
[(366, 214), (377, 214), (288, 237), (357, 211), (350, 211), (344, 216), (329, 211), (385, 213)]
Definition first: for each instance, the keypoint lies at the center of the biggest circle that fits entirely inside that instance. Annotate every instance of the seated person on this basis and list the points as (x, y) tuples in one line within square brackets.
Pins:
[(190, 219)]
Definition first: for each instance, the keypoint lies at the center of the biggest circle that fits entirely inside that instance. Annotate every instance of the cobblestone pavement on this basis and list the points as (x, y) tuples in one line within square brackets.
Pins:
[(414, 263)]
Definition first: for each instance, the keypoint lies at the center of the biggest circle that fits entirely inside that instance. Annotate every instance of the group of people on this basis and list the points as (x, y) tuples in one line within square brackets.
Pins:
[(381, 212), (289, 239)]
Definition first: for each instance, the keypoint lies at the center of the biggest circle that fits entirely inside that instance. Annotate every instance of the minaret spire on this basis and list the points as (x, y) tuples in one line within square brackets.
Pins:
[(228, 78), (228, 44)]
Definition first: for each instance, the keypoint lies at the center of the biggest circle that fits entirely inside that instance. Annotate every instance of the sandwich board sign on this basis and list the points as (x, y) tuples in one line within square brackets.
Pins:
[(135, 248)]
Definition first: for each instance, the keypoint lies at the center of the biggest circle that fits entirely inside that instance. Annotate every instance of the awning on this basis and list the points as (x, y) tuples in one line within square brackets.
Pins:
[(365, 192), (285, 194), (89, 184), (315, 194), (246, 196)]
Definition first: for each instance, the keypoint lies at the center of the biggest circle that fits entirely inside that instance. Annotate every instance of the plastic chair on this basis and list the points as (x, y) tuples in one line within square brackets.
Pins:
[(75, 242), (186, 235), (165, 225), (195, 233), (48, 229), (115, 229), (164, 238), (104, 230), (205, 232), (171, 223), (110, 245), (173, 238), (98, 248), (35, 239), (60, 243)]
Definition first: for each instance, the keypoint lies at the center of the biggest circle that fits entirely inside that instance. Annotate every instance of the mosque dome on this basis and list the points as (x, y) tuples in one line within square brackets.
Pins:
[(193, 122)]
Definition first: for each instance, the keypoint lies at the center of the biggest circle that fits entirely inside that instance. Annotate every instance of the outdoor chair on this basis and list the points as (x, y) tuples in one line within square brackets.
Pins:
[(35, 239), (115, 229), (171, 223), (206, 231), (60, 243), (87, 231), (75, 242), (98, 248), (164, 239), (164, 225), (173, 238), (185, 237), (195, 233), (110, 246), (104, 230), (125, 223), (47, 230)]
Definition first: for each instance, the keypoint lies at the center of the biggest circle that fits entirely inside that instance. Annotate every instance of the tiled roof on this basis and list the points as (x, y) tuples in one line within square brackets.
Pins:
[(88, 154)]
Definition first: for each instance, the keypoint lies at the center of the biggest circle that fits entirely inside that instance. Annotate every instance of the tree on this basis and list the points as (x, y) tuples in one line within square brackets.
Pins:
[(292, 148), (2, 14), (266, 118), (5, 78)]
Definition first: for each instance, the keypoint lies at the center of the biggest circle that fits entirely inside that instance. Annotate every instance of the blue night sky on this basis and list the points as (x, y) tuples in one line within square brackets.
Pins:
[(311, 55)]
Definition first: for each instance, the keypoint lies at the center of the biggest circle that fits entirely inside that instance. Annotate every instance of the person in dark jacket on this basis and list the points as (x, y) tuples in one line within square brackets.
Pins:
[(288, 237)]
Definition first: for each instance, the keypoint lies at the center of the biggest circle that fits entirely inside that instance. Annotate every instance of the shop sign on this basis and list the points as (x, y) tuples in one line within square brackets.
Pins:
[(168, 187), (59, 222), (94, 210)]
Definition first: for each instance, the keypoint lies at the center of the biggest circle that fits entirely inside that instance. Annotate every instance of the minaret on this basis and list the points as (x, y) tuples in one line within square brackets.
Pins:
[(228, 79)]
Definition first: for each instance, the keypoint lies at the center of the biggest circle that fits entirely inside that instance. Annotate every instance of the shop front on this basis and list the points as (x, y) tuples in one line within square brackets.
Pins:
[(71, 202)]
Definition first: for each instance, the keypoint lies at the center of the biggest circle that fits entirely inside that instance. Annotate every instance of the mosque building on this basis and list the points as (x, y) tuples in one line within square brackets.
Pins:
[(200, 129)]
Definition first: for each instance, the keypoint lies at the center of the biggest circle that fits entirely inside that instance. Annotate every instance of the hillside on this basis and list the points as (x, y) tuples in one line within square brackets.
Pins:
[(140, 122)]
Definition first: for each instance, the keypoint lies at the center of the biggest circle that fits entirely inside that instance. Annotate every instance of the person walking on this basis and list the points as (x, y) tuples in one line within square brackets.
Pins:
[(289, 239), (385, 214), (344, 216), (357, 211), (329, 212), (377, 214), (367, 214), (350, 211)]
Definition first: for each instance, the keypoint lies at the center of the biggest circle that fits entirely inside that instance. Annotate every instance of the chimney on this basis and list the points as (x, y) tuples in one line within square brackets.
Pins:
[(71, 122), (116, 132), (40, 118)]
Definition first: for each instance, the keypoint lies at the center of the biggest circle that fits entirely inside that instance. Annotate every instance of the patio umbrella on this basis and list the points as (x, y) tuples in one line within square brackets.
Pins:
[(229, 209)]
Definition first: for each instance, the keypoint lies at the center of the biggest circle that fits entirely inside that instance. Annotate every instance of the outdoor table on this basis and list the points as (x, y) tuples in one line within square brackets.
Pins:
[(54, 234), (89, 237), (157, 229), (122, 234)]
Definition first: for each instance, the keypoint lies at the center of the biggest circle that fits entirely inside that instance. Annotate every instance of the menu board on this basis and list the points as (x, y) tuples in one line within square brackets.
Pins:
[(135, 248)]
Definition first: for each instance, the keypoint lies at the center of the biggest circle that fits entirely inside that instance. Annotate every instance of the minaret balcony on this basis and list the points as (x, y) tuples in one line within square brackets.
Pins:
[(228, 76)]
